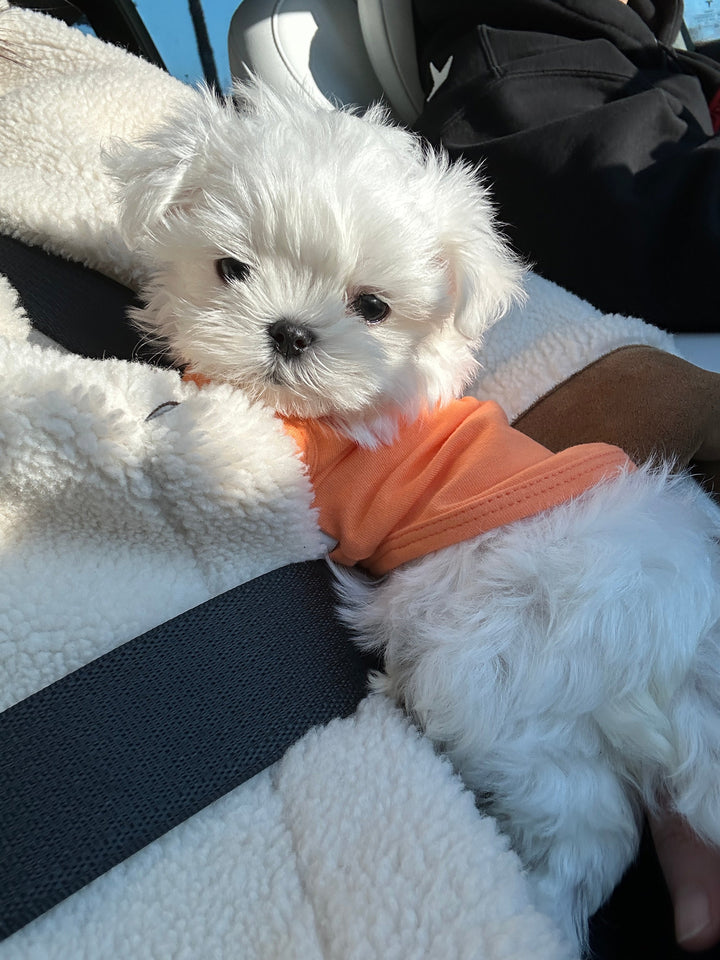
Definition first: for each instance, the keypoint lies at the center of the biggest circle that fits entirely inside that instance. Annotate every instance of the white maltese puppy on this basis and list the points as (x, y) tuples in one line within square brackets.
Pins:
[(551, 621)]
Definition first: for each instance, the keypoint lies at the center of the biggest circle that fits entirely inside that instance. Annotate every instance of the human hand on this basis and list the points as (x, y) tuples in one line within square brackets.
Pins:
[(692, 874)]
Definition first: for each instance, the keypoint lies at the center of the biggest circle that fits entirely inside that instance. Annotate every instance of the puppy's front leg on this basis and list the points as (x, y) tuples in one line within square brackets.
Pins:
[(475, 659), (570, 817), (693, 783)]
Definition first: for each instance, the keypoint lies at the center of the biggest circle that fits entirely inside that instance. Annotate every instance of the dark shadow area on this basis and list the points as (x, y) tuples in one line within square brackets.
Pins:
[(637, 922), (80, 309)]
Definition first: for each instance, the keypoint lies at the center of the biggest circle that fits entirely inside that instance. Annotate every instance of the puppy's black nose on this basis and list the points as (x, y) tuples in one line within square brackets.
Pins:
[(289, 339)]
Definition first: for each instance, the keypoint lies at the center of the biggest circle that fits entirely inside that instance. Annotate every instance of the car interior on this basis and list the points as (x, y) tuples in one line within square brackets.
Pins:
[(341, 52)]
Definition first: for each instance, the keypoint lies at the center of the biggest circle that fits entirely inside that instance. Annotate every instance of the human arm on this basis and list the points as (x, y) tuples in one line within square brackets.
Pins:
[(650, 403)]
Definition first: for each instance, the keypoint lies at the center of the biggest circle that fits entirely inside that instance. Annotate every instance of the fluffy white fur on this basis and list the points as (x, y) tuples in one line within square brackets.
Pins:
[(569, 664), (321, 206)]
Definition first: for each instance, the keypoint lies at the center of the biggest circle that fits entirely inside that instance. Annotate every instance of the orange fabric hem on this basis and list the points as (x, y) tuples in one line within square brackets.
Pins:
[(451, 475), (522, 500)]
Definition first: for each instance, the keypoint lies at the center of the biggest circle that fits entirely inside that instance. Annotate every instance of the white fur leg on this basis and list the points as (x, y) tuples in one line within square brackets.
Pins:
[(571, 819), (555, 660), (693, 784)]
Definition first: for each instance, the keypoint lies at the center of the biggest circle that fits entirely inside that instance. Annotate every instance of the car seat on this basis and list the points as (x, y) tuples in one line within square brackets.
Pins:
[(348, 51)]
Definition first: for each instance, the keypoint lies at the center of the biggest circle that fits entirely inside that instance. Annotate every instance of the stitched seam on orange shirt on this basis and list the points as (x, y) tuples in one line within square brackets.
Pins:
[(583, 469)]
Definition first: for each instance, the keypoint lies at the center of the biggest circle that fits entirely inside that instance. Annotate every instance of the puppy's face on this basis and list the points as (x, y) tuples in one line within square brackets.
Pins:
[(323, 263)]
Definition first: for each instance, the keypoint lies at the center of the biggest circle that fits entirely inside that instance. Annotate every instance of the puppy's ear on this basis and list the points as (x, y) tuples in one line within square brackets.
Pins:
[(158, 176), (486, 274)]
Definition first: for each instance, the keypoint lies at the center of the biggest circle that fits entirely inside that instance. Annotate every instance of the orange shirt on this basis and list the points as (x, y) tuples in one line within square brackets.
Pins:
[(451, 475)]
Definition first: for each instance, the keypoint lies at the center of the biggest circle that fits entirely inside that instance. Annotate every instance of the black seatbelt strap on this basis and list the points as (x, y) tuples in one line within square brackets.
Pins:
[(80, 309), (100, 763), (107, 759)]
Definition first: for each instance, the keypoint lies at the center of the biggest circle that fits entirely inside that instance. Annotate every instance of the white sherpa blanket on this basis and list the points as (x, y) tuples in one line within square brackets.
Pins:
[(360, 842)]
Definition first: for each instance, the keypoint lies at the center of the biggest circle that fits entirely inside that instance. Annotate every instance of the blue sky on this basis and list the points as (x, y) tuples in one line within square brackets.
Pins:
[(170, 26)]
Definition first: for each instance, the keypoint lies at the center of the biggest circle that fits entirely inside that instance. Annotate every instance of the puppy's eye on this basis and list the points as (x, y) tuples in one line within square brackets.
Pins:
[(230, 269), (371, 308)]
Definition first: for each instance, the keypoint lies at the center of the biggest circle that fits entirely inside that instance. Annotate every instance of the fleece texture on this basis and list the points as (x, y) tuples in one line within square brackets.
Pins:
[(361, 842)]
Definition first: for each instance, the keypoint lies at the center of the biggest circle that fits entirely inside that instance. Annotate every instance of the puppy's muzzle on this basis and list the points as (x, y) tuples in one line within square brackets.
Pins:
[(290, 340)]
